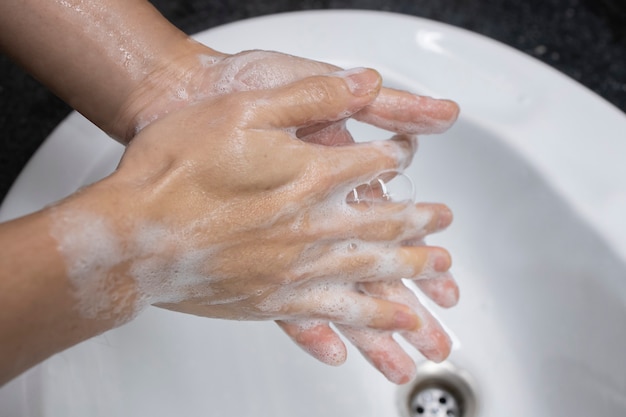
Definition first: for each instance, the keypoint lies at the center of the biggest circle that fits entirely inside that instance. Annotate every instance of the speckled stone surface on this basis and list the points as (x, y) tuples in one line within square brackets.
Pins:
[(585, 39)]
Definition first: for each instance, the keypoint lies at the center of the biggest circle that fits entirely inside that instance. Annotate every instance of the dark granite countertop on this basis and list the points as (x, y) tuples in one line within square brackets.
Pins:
[(585, 39)]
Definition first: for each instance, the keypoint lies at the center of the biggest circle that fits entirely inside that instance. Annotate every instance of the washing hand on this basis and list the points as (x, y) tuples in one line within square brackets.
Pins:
[(379, 347), (234, 217), (205, 73), (137, 69), (201, 73)]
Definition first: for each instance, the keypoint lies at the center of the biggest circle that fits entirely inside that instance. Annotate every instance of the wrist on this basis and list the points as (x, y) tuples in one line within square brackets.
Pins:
[(89, 233), (177, 78)]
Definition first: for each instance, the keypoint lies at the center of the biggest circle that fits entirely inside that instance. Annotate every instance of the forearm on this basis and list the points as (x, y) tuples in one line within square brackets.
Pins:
[(39, 313), (91, 53)]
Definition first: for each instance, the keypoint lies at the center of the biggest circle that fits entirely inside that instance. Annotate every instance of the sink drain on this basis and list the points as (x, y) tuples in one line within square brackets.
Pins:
[(435, 402), (439, 390)]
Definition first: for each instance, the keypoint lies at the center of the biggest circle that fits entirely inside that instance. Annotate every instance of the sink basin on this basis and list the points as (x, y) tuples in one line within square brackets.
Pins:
[(534, 175)]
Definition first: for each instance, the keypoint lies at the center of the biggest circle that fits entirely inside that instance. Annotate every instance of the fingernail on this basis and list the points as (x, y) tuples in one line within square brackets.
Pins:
[(361, 81), (407, 321)]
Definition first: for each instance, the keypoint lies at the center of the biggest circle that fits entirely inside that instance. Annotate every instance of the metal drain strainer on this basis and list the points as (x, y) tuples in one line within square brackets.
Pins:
[(435, 402), (439, 390)]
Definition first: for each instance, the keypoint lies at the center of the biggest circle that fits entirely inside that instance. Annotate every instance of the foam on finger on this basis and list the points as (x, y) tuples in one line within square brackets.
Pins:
[(430, 339), (383, 352), (317, 339), (442, 289)]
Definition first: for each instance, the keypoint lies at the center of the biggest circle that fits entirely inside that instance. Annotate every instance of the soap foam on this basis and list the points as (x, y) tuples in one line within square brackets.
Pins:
[(165, 265), (318, 339), (383, 352), (441, 288), (91, 248), (430, 338), (98, 262)]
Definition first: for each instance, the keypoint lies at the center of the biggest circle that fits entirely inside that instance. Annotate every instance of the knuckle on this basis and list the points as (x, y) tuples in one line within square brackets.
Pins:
[(364, 265), (392, 230), (319, 179), (324, 89), (403, 148)]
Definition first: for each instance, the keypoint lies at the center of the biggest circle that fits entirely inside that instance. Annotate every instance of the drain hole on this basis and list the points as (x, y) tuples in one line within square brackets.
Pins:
[(439, 390), (436, 401)]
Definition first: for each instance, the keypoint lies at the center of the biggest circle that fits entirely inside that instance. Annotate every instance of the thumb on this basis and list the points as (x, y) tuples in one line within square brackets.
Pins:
[(318, 99)]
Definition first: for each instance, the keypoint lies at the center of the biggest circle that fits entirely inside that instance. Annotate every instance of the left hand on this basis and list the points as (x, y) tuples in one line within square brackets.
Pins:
[(201, 73)]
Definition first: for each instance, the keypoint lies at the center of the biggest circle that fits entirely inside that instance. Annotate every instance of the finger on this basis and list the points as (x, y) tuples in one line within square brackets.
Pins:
[(442, 289), (371, 262), (327, 134), (440, 216), (383, 352), (264, 70), (360, 163), (317, 99), (339, 302), (403, 112), (395, 221), (317, 339), (427, 261), (400, 223), (260, 70), (430, 338)]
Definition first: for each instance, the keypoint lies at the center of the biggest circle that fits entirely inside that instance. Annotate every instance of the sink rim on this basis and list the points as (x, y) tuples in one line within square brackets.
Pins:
[(543, 97), (538, 108)]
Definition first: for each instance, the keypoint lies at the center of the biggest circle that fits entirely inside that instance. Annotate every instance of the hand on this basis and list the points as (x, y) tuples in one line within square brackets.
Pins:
[(219, 74), (201, 73), (136, 68), (318, 339), (231, 216)]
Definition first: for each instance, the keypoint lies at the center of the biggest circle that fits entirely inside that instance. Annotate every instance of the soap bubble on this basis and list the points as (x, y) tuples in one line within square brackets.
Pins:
[(389, 187)]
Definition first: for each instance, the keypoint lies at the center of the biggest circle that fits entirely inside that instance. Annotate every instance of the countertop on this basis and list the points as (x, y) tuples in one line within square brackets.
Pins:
[(585, 39)]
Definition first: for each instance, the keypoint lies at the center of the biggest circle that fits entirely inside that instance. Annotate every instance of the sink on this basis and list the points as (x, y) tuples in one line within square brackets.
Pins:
[(537, 243)]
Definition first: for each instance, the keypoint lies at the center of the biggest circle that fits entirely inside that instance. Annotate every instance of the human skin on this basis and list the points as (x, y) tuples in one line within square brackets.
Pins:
[(124, 67), (172, 227)]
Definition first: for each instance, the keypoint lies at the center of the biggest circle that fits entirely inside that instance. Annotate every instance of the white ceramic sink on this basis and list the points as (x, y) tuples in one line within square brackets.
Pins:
[(534, 175)]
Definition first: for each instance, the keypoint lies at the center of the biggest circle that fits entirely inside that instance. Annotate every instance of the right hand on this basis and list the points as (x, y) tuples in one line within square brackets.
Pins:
[(219, 210)]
